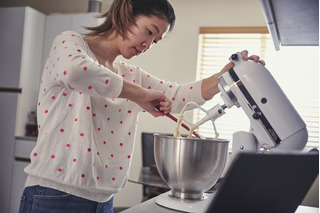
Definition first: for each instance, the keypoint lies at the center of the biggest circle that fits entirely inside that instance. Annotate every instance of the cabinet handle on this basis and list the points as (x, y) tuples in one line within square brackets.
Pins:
[(11, 90), (22, 159)]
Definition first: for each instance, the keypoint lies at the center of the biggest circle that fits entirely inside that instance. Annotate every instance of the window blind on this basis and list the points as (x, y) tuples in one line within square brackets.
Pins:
[(215, 47)]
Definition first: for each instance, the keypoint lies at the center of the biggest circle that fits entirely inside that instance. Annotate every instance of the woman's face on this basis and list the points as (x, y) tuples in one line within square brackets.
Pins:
[(141, 37)]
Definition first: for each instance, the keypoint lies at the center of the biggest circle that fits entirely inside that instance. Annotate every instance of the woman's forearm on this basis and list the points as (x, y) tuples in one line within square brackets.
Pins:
[(132, 91), (150, 100), (209, 87)]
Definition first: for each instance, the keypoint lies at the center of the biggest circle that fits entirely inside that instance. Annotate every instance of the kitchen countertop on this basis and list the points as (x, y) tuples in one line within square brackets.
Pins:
[(147, 177), (148, 205), (152, 206)]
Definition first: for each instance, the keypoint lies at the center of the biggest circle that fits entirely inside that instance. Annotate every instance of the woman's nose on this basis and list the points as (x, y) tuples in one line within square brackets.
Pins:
[(147, 44)]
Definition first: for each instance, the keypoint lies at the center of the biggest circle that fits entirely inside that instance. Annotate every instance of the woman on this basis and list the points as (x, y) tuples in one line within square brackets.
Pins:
[(88, 107)]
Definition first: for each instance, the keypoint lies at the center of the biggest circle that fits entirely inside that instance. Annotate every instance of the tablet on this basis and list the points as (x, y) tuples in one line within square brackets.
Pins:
[(268, 183)]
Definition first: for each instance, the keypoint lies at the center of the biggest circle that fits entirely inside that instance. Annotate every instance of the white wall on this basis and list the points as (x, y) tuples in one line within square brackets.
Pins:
[(175, 59)]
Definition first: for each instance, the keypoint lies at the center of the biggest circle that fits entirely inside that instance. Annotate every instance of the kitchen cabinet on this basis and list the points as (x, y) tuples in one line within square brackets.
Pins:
[(8, 108), (292, 22), (22, 150), (18, 180), (25, 43), (57, 23), (20, 60)]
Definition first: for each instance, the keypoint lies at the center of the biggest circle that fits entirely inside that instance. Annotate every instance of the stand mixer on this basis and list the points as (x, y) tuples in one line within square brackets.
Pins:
[(275, 125)]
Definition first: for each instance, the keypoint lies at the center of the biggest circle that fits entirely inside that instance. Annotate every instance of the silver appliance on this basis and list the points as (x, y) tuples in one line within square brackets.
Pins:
[(190, 167)]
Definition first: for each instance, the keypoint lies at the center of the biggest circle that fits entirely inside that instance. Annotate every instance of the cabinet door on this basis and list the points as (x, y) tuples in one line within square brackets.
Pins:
[(18, 180), (8, 109), (57, 23), (82, 20), (54, 25), (11, 38), (30, 66)]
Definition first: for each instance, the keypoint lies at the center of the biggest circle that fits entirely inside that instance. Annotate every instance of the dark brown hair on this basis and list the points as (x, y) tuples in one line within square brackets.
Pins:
[(122, 13)]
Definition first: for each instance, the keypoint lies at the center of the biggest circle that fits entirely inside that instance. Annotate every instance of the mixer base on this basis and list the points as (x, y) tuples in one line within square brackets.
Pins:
[(166, 200)]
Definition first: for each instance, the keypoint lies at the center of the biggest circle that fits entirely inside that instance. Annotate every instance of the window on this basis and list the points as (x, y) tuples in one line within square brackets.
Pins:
[(296, 69)]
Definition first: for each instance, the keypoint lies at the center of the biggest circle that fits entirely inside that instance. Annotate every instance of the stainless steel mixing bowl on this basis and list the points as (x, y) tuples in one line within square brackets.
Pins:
[(190, 166)]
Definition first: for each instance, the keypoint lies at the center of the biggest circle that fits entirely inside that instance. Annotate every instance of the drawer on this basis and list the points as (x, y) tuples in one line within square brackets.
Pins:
[(24, 147)]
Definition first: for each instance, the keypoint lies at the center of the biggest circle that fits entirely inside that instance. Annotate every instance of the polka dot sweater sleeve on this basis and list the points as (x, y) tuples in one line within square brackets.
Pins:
[(70, 64), (178, 94)]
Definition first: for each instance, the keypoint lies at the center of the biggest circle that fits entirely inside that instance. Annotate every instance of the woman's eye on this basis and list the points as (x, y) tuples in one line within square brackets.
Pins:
[(150, 32)]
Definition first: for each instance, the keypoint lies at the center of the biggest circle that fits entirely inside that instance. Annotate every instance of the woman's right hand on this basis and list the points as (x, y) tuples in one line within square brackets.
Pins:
[(153, 101)]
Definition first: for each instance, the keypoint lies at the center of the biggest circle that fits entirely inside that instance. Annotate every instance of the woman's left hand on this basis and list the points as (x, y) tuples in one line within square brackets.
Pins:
[(255, 58), (209, 86), (245, 57)]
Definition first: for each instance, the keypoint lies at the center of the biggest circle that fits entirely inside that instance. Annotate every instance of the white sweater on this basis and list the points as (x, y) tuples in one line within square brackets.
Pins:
[(86, 133)]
